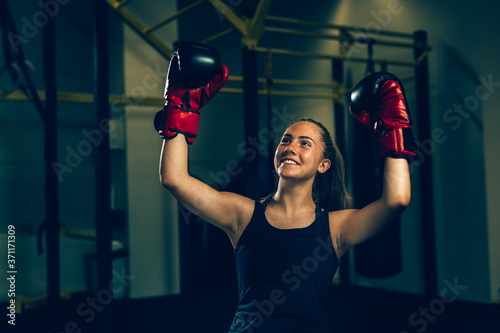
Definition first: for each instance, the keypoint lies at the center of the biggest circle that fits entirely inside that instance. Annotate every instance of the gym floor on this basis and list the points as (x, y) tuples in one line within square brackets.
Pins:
[(356, 310)]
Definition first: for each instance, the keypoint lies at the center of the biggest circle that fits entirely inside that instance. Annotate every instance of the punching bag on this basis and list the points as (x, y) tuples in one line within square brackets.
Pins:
[(379, 257)]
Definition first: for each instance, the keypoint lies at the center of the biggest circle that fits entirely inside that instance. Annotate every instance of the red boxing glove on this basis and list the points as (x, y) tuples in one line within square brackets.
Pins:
[(194, 77), (379, 104)]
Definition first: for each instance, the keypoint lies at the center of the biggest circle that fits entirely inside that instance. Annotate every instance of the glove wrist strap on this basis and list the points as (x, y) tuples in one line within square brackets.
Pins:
[(398, 142)]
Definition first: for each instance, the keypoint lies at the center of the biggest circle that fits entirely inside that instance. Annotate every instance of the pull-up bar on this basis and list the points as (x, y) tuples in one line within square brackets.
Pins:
[(337, 26), (332, 56), (340, 37)]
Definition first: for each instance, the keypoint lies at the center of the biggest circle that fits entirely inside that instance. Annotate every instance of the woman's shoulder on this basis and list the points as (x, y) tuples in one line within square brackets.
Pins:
[(337, 218), (337, 215), (336, 221), (245, 207)]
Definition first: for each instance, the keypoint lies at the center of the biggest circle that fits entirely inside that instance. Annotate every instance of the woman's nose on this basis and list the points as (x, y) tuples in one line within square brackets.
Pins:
[(289, 149)]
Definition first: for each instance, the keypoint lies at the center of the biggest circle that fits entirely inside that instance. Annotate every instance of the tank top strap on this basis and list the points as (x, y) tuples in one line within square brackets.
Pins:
[(253, 225), (264, 204), (323, 218)]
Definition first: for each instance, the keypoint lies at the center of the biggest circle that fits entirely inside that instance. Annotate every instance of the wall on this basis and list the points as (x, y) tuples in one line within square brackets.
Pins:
[(152, 211), (488, 63)]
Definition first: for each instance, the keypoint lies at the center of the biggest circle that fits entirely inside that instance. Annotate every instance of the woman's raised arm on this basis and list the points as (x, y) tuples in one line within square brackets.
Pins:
[(353, 226), (225, 210), (194, 77), (379, 104)]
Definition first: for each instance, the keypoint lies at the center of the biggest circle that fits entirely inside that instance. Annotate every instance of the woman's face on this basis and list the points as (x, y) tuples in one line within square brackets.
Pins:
[(300, 152)]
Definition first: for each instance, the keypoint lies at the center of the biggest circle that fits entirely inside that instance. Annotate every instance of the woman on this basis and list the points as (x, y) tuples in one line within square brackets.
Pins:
[(287, 246)]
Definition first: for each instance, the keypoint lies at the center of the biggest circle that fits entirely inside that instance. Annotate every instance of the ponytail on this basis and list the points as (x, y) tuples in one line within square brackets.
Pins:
[(329, 190)]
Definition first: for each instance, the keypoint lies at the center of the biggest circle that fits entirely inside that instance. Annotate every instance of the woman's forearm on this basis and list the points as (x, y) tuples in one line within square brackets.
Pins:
[(173, 161), (396, 183)]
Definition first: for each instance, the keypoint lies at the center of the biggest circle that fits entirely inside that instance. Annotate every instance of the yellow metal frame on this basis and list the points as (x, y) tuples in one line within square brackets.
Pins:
[(332, 56), (88, 98), (172, 17), (335, 26), (251, 31), (140, 28), (117, 99)]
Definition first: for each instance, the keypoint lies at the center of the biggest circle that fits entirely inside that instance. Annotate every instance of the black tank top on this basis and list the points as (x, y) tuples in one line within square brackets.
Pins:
[(284, 276)]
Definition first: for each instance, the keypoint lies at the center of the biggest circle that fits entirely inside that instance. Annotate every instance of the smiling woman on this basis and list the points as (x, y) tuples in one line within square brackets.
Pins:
[(287, 246), (329, 190)]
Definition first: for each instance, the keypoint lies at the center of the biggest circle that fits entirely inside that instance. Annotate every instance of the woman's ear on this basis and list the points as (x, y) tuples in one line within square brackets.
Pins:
[(324, 165)]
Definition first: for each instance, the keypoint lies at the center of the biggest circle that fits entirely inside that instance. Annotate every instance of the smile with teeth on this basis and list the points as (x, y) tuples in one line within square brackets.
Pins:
[(290, 162)]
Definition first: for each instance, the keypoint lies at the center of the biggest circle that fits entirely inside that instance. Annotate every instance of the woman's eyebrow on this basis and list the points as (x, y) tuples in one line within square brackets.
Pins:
[(306, 137), (300, 137)]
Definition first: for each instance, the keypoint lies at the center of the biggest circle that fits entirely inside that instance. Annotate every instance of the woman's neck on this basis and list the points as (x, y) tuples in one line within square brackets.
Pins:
[(293, 199)]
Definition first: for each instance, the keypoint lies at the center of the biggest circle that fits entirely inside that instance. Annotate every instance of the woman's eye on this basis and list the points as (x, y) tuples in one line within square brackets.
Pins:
[(306, 143)]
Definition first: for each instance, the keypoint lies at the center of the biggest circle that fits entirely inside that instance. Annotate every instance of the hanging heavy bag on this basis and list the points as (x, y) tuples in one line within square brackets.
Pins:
[(379, 106)]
